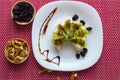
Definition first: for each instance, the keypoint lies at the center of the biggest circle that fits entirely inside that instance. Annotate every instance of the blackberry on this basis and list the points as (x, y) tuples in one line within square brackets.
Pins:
[(83, 22), (82, 53), (85, 50), (77, 55), (89, 28), (75, 17)]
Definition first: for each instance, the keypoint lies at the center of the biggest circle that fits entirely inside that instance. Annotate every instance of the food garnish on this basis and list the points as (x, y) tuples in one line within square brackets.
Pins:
[(77, 55), (83, 22), (75, 17), (41, 33), (89, 28)]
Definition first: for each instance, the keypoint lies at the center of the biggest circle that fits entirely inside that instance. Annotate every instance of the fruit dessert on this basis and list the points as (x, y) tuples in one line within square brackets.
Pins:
[(17, 50), (72, 32), (23, 12)]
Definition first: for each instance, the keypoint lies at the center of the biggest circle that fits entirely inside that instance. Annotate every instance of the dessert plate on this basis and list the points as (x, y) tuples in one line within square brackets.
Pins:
[(64, 59)]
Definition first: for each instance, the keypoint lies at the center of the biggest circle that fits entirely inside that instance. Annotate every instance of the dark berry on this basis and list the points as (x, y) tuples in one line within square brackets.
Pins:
[(27, 19), (82, 53), (89, 28), (77, 55), (30, 12), (83, 22), (21, 6), (16, 12), (85, 50), (75, 17), (23, 12), (15, 17)]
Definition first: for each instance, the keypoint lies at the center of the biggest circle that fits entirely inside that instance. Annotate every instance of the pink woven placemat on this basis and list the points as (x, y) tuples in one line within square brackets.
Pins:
[(107, 68)]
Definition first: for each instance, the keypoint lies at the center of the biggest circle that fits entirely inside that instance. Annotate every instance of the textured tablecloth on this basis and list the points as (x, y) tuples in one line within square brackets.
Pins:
[(107, 68)]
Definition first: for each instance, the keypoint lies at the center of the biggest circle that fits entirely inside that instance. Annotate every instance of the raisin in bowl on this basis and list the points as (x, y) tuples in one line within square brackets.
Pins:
[(23, 12), (17, 51)]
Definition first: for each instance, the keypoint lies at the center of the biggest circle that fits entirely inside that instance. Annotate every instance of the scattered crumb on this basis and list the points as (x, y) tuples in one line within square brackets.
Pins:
[(43, 71), (73, 76), (58, 78)]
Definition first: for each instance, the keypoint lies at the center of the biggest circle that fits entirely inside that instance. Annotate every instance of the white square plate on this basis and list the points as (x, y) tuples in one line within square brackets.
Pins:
[(68, 61)]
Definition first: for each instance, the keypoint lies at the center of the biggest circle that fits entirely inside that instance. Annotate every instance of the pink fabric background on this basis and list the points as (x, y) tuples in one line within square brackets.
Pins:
[(107, 68)]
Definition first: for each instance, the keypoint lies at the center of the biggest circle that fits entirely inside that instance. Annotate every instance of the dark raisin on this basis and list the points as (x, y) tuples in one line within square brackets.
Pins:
[(82, 53), (27, 5), (85, 50), (23, 12), (16, 12), (77, 55), (20, 20), (21, 6), (15, 17), (75, 17), (89, 28), (83, 22), (27, 19), (30, 12), (31, 9)]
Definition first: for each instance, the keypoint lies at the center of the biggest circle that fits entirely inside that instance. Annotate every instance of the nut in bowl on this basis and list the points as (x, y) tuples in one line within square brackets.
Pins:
[(23, 12), (17, 50)]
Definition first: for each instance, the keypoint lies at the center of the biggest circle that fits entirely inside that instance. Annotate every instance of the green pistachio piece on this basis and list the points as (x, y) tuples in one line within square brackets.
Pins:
[(74, 40), (67, 26), (86, 32), (58, 41), (82, 43)]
